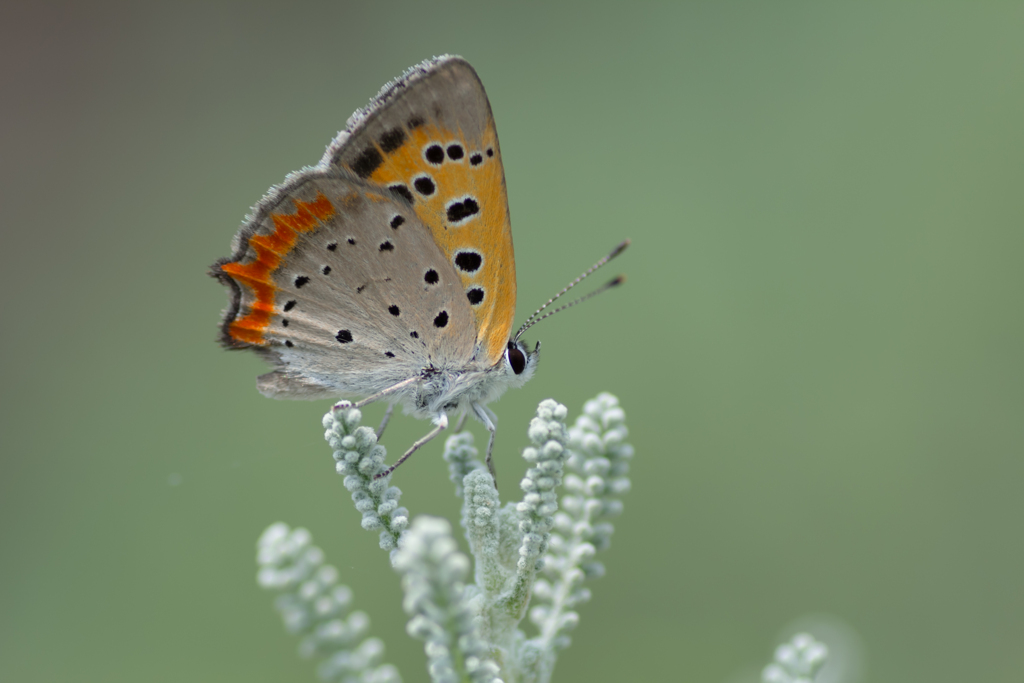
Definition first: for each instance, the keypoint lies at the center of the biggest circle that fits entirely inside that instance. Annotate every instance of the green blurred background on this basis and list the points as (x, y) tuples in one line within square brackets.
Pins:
[(819, 347)]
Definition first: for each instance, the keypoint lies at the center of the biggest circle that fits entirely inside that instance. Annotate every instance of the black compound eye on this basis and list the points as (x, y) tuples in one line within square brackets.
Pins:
[(516, 358)]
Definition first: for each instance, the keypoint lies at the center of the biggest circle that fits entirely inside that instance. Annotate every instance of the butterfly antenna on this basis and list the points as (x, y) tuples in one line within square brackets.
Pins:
[(536, 317)]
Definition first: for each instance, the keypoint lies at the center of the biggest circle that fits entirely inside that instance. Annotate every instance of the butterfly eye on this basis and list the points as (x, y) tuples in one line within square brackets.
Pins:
[(516, 358)]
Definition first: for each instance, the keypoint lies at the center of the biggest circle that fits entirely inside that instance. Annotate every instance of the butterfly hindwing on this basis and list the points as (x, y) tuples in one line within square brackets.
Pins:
[(430, 137), (343, 286)]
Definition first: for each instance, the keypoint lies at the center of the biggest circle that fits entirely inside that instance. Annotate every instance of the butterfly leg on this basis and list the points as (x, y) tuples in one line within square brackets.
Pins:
[(461, 422), (442, 424), (384, 422), (489, 419), (378, 396)]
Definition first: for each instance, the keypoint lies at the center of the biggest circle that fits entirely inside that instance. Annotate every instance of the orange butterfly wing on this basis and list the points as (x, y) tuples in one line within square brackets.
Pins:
[(430, 137)]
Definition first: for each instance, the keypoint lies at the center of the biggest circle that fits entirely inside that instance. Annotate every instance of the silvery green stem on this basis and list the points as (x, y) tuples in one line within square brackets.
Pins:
[(359, 458), (598, 466), (797, 661), (314, 603), (508, 542), (434, 576)]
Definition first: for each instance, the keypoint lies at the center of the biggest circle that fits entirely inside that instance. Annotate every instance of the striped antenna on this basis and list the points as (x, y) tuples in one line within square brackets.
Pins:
[(537, 317)]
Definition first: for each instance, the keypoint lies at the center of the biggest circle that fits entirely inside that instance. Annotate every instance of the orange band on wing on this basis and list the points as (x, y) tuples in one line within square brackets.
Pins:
[(270, 249)]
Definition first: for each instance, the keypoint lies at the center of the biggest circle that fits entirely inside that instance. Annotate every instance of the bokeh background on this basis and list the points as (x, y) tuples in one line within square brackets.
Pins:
[(819, 347)]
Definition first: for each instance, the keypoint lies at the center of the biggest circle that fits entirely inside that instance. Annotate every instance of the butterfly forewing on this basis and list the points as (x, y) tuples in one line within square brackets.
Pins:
[(344, 286), (430, 138)]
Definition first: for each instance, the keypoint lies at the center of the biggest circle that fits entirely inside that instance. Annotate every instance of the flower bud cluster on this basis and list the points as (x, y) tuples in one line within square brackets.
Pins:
[(461, 456), (359, 458), (546, 459), (797, 661), (312, 602), (539, 548), (597, 469), (434, 577)]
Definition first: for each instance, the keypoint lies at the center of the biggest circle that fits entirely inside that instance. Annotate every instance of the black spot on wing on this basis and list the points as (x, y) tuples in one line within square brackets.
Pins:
[(400, 190), (414, 334), (332, 246), (468, 261), (367, 162), (425, 185), (476, 159), (289, 305), (475, 295), (344, 336), (394, 310), (434, 154), (455, 152), (326, 270), (301, 280), (431, 277), (351, 240), (441, 319), (461, 210), (386, 245), (396, 222), (284, 322), (392, 140), (288, 343), (389, 354)]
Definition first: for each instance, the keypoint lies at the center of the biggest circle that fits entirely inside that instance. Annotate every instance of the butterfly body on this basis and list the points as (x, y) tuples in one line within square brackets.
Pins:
[(387, 270)]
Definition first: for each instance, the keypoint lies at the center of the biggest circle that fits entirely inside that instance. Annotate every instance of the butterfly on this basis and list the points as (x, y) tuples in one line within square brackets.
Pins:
[(387, 271)]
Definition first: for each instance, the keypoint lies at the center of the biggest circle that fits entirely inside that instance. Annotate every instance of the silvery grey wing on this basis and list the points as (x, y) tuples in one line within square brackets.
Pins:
[(338, 283)]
